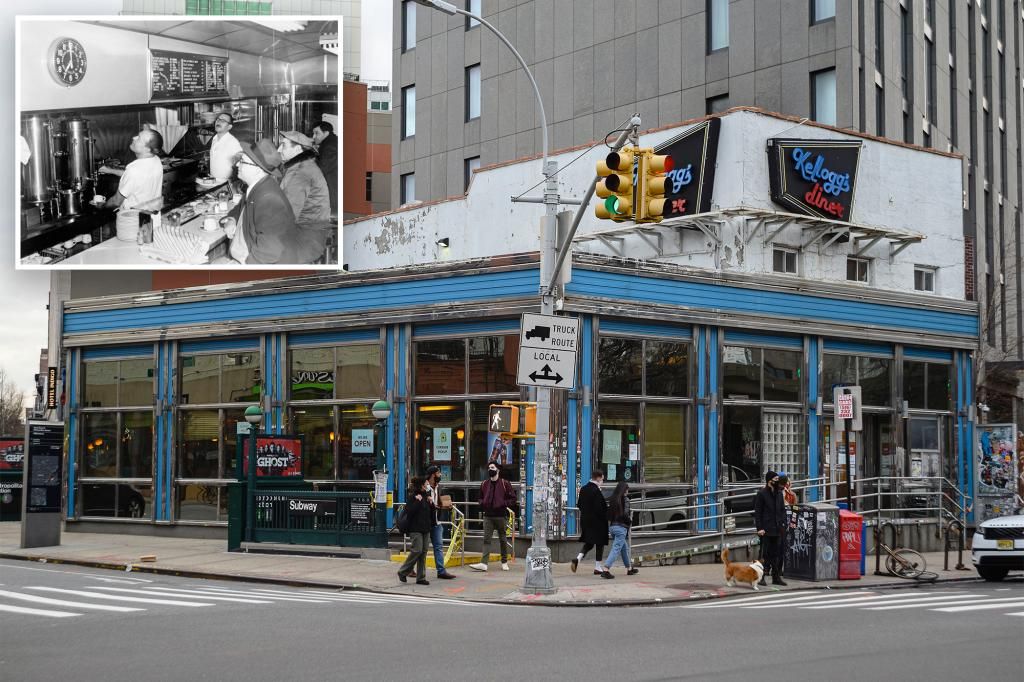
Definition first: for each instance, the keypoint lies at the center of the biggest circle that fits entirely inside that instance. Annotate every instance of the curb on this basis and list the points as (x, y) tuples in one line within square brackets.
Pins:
[(351, 587)]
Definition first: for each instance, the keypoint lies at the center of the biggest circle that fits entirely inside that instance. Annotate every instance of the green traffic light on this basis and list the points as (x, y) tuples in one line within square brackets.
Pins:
[(611, 204)]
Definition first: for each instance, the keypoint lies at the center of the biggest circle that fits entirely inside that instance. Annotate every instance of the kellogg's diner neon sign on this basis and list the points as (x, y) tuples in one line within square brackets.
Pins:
[(814, 177)]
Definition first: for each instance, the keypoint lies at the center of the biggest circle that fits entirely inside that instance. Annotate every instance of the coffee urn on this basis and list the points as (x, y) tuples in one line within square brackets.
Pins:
[(37, 181)]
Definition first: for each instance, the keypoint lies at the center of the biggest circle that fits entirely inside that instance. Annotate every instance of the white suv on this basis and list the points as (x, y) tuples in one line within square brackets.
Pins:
[(998, 547)]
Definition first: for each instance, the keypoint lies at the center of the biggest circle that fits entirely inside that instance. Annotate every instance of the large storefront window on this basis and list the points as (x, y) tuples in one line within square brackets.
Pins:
[(927, 385), (214, 390), (332, 389), (116, 465), (872, 374), (450, 429), (762, 423), (643, 411)]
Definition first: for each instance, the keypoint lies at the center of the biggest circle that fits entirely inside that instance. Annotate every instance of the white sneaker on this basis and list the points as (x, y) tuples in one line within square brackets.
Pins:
[(504, 566), (478, 567)]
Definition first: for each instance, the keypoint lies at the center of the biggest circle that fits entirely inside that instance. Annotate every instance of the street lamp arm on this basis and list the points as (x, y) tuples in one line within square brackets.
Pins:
[(449, 8)]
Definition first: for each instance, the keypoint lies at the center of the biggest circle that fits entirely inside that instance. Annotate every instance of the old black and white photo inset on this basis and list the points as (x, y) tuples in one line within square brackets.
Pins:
[(169, 143)]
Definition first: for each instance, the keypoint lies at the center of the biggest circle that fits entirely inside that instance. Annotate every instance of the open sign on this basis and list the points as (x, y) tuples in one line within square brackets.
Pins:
[(362, 440)]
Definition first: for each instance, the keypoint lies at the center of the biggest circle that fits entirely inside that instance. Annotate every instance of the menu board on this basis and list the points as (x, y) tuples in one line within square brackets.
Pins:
[(43, 467), (178, 75)]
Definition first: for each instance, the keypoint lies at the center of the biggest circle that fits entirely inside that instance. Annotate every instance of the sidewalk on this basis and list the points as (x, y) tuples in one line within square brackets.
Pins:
[(210, 559)]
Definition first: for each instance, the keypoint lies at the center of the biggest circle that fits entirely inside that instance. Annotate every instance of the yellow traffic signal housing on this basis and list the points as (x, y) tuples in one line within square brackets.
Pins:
[(652, 178), (503, 419), (531, 420), (615, 186)]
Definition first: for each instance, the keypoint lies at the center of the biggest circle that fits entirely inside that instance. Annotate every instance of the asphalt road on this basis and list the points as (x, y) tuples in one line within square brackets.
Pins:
[(138, 626)]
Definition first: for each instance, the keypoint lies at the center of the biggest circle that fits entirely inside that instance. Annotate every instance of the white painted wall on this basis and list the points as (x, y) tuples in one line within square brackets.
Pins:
[(897, 187)]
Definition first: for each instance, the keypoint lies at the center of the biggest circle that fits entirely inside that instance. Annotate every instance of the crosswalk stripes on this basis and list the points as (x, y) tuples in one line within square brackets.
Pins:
[(65, 602), (140, 600), (943, 601), (1008, 602), (164, 592), (28, 611), (36, 599)]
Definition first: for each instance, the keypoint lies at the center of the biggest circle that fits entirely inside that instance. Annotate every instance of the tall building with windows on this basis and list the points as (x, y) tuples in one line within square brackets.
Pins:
[(942, 74)]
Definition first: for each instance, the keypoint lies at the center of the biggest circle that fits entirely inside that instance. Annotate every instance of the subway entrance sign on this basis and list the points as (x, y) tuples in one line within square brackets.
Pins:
[(548, 346)]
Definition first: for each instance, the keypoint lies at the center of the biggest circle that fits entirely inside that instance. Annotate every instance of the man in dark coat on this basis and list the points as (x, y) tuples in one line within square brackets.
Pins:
[(327, 159), (771, 521), (593, 520), (266, 231)]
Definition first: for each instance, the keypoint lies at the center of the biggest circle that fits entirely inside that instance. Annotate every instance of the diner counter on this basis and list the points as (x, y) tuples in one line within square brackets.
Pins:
[(117, 252)]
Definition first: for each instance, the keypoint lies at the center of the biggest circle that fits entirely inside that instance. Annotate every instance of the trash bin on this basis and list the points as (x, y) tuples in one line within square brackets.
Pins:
[(812, 552), (850, 539)]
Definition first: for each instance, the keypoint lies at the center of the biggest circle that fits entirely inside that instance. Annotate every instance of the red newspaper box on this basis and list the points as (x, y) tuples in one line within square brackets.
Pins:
[(849, 544)]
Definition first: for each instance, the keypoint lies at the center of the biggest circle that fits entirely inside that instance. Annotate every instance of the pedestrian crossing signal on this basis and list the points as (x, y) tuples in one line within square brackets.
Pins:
[(503, 419)]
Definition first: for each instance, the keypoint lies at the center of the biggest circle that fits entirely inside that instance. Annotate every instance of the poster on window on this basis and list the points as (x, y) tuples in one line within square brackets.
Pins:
[(442, 445), (277, 456), (611, 446), (12, 454), (499, 449)]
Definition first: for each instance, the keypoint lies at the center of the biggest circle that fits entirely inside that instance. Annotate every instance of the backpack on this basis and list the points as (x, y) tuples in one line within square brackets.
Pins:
[(403, 521)]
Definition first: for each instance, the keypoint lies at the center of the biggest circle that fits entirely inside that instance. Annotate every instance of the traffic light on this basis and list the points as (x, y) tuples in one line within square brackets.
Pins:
[(530, 427), (615, 186), (503, 419), (652, 180)]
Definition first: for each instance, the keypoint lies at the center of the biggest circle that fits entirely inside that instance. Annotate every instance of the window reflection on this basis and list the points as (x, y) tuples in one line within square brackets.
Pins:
[(741, 370), (666, 459), (619, 441), (99, 439), (492, 364), (620, 366), (440, 367), (667, 367), (437, 439)]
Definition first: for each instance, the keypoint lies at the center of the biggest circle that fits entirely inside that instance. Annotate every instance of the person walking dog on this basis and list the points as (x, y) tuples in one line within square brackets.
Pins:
[(593, 521), (771, 521)]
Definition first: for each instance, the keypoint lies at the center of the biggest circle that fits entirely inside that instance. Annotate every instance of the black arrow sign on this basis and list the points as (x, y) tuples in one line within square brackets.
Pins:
[(546, 375)]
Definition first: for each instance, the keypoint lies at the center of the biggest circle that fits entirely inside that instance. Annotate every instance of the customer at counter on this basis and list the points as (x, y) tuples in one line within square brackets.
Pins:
[(224, 147), (327, 147), (262, 226), (304, 185), (141, 181)]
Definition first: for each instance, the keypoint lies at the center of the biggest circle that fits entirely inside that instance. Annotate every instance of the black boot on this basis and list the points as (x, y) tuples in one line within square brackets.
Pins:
[(762, 582), (777, 580)]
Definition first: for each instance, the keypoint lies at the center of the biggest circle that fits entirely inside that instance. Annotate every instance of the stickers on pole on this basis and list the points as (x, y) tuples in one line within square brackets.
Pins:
[(548, 345)]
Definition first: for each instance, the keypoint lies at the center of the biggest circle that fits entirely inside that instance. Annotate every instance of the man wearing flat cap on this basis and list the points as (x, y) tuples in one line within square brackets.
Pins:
[(304, 185), (262, 227)]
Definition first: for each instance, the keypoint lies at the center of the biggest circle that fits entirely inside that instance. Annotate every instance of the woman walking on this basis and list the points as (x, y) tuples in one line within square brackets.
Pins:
[(619, 521), (421, 518)]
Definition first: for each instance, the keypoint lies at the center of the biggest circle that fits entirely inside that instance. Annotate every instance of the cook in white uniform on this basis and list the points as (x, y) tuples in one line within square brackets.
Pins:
[(224, 147)]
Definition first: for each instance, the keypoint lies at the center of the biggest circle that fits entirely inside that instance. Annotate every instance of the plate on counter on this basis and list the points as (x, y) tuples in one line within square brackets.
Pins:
[(207, 181)]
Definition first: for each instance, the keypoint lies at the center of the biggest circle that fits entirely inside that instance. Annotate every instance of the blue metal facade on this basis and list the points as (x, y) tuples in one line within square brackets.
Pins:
[(404, 309)]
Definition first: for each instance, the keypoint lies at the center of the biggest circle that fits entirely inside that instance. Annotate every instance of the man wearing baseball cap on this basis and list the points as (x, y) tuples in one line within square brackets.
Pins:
[(436, 529)]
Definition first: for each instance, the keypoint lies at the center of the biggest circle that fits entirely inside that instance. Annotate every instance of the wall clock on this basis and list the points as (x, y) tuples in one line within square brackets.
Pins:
[(67, 61)]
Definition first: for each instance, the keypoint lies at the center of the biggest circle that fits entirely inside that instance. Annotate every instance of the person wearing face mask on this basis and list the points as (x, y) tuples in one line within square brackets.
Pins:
[(437, 530), (771, 521), (497, 497)]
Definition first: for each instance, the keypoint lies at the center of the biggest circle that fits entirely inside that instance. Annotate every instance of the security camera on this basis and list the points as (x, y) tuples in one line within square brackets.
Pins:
[(984, 408)]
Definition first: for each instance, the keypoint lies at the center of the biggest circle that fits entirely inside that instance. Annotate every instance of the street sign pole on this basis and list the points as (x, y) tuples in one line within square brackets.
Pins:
[(538, 578), (847, 428)]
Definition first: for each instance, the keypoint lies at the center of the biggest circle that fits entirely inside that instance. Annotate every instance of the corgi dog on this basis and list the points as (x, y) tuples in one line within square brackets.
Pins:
[(743, 573)]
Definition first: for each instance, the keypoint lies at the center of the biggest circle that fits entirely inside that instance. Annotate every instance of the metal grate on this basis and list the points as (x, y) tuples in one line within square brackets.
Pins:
[(1004, 533)]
